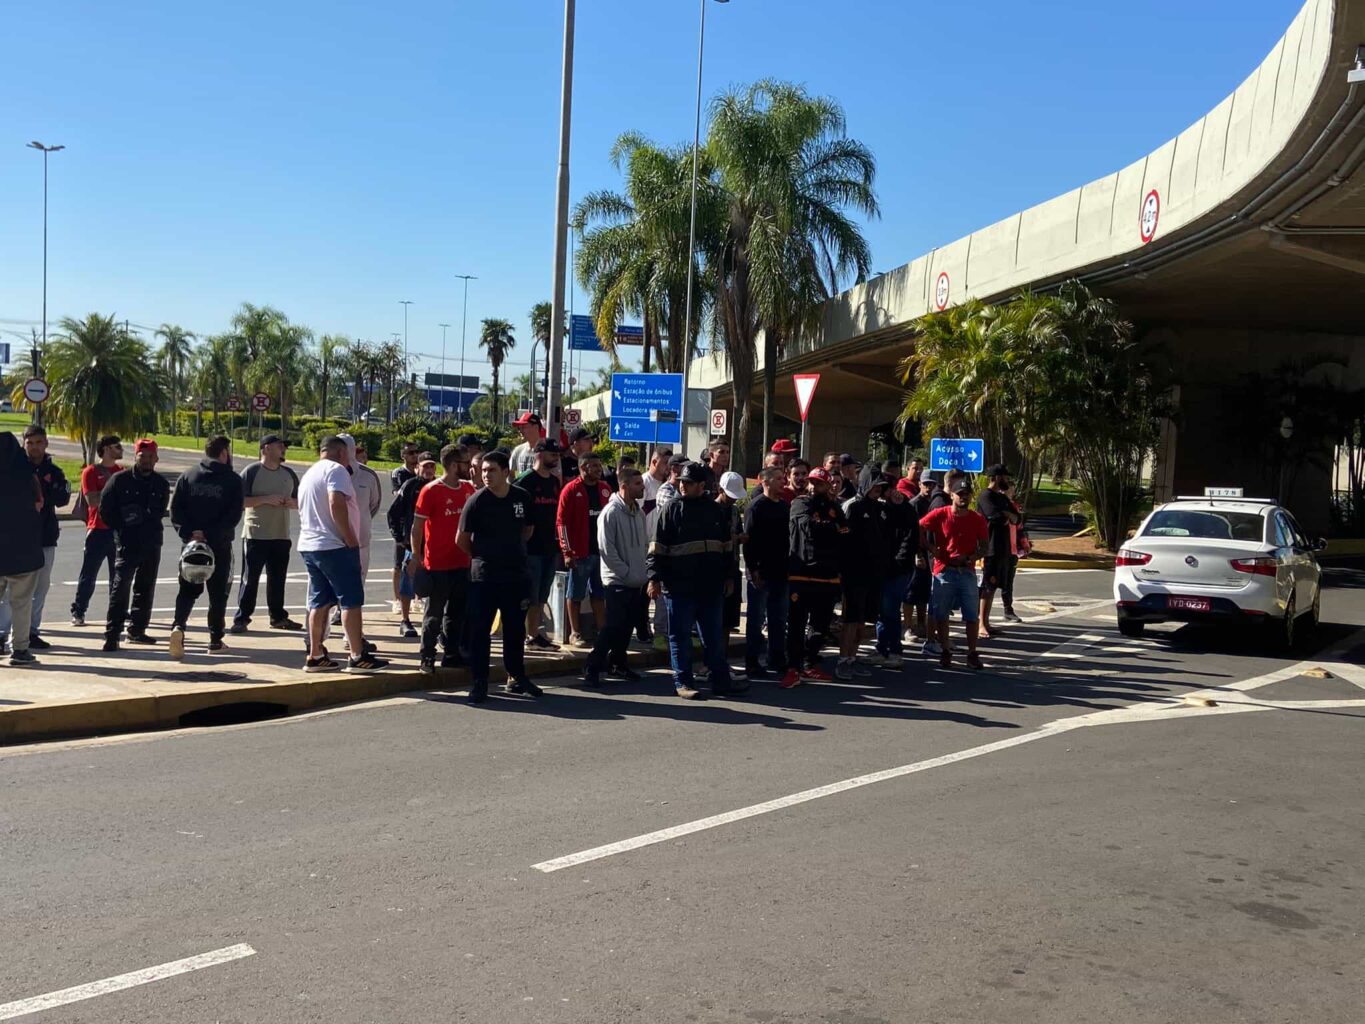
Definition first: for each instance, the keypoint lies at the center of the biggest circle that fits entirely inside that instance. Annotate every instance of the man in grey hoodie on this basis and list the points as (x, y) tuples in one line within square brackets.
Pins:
[(623, 543)]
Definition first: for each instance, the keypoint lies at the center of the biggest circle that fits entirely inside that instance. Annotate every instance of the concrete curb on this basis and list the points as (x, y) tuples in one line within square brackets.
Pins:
[(1095, 562), (140, 712)]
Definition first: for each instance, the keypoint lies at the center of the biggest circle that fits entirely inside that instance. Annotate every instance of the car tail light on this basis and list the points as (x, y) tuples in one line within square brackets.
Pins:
[(1257, 566), (1129, 556)]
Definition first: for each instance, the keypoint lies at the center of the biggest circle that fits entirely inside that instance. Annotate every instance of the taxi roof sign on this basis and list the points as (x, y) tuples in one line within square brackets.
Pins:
[(1223, 492)]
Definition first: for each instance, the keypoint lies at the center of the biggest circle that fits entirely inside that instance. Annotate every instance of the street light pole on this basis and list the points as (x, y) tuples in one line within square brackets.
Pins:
[(692, 231), (405, 303), (37, 366), (443, 370), (556, 353), (464, 328)]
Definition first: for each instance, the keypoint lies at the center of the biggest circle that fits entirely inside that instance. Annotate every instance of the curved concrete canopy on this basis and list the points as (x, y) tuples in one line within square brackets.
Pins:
[(1221, 225)]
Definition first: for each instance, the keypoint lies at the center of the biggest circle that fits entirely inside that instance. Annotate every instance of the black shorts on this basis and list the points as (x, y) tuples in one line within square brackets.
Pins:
[(862, 603), (400, 552), (993, 570), (920, 584)]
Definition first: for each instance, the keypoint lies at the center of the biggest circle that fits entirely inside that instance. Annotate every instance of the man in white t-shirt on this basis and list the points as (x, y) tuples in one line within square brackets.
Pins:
[(329, 540)]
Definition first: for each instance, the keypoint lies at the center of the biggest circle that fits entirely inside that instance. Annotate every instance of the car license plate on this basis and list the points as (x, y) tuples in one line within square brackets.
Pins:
[(1188, 604)]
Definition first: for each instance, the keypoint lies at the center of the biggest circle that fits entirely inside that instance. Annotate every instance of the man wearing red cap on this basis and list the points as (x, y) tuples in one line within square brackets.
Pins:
[(523, 457), (133, 505)]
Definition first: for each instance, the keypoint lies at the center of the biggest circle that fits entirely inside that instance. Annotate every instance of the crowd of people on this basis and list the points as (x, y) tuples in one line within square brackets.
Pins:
[(480, 536)]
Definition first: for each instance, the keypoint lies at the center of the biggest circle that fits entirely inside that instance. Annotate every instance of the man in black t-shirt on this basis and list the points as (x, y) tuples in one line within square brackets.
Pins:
[(995, 505), (494, 528), (542, 550)]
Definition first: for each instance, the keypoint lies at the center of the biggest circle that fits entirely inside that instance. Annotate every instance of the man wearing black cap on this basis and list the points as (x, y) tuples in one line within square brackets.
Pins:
[(542, 550), (270, 491), (688, 566), (523, 456), (581, 442), (994, 503), (848, 472)]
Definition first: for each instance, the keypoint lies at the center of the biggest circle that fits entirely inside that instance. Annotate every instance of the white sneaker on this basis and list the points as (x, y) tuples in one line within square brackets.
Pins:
[(931, 647), (177, 644), (396, 606)]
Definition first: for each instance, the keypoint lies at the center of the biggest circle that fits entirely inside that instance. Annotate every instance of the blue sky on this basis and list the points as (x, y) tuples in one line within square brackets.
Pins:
[(333, 158)]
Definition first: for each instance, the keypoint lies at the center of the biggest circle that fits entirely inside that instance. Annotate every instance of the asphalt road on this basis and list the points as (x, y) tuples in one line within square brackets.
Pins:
[(1062, 838)]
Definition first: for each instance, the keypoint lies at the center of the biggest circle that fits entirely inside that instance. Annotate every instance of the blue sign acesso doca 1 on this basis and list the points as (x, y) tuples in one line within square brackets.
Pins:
[(947, 453)]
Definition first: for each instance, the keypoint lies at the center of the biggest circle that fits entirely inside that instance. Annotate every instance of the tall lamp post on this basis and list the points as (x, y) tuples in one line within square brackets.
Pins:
[(555, 357), (464, 329), (37, 366), (443, 370), (405, 303), (692, 231)]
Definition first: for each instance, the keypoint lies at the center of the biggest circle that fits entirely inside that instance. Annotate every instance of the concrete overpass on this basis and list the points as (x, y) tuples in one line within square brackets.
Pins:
[(1240, 243)]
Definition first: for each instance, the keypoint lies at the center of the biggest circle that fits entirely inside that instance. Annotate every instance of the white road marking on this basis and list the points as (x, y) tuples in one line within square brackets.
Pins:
[(36, 1004), (1080, 609), (1157, 709), (1075, 647)]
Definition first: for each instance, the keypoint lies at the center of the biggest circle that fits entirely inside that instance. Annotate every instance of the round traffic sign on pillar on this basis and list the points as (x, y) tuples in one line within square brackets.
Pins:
[(35, 390), (1149, 216), (942, 289), (260, 401)]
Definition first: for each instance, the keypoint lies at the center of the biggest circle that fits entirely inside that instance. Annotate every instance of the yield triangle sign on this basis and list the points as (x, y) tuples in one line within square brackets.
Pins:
[(805, 391)]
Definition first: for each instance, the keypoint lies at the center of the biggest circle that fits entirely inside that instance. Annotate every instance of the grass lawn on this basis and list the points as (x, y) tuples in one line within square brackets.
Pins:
[(14, 421)]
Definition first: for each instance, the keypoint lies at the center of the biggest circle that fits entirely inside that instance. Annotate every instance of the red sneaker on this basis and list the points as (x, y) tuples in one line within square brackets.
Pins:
[(792, 678), (817, 674)]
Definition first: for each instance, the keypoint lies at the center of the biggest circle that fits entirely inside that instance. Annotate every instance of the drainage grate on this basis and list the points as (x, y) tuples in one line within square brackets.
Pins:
[(197, 677)]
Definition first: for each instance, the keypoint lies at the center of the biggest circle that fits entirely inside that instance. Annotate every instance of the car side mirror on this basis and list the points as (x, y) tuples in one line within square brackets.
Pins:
[(1320, 544)]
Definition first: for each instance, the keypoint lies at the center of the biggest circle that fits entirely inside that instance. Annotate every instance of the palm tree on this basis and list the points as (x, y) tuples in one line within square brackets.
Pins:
[(213, 371), (329, 351), (496, 339), (633, 258), (102, 380), (280, 361), (174, 357), (789, 172)]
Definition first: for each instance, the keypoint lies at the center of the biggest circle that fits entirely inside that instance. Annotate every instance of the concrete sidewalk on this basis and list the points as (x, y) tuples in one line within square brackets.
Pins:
[(77, 689)]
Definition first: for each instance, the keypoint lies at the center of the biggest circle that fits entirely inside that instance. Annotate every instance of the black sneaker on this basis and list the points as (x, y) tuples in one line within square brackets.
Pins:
[(216, 644), (427, 666), (287, 624), (237, 628), (524, 687), (541, 642), (591, 679), (365, 663), (142, 639), (735, 689), (452, 661), (406, 630), (478, 691), (625, 675), (323, 664), (24, 657), (37, 643), (110, 643), (756, 672)]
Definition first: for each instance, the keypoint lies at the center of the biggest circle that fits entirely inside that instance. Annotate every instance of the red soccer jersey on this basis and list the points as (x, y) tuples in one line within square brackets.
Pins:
[(956, 535), (95, 479), (441, 505)]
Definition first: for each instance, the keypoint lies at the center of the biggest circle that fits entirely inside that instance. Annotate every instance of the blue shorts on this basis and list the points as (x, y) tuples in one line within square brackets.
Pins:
[(585, 578), (956, 588), (541, 569), (334, 578)]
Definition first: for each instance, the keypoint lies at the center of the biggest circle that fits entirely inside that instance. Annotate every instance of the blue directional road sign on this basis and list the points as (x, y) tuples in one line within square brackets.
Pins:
[(4, 353), (947, 453), (582, 335), (636, 401)]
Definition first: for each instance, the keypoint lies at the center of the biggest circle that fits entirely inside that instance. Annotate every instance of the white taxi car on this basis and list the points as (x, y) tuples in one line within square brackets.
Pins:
[(1227, 560)]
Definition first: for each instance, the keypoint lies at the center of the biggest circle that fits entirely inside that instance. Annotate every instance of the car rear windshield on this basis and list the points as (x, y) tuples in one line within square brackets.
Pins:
[(1206, 525)]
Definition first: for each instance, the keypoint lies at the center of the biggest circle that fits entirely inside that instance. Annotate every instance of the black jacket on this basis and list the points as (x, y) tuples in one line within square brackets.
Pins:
[(766, 523), (21, 525), (207, 498), (402, 510), (56, 493), (900, 536), (862, 555), (133, 505), (814, 531), (692, 552)]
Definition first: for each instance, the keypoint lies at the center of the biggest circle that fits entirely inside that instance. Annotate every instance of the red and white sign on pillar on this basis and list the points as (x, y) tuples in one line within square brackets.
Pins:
[(1150, 216), (942, 290), (805, 384)]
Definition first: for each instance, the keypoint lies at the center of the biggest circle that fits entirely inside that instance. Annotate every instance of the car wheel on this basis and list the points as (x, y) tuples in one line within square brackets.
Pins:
[(1288, 635), (1127, 627), (1315, 616)]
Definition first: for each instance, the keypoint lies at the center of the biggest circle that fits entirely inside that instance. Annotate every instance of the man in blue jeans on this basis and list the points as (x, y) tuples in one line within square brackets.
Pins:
[(956, 537), (766, 554), (688, 566)]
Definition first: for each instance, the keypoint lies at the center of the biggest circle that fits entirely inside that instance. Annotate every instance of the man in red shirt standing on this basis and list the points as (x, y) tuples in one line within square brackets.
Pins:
[(435, 524), (580, 503), (955, 536), (99, 539)]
